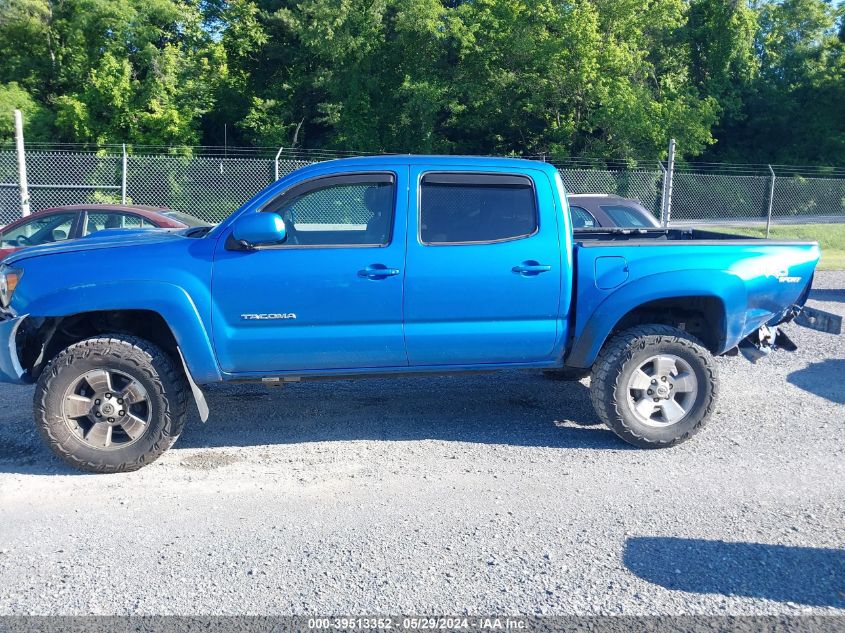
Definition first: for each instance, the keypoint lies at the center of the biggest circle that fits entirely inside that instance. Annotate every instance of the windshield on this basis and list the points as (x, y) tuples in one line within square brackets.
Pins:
[(55, 227)]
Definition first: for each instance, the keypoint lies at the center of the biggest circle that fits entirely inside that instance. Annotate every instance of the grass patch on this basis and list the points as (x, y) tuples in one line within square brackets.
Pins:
[(831, 239)]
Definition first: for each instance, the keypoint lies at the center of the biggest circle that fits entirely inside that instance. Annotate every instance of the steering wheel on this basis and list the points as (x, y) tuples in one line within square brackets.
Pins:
[(22, 240)]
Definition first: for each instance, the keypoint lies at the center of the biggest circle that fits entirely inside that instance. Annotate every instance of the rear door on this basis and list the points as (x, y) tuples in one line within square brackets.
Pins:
[(483, 278)]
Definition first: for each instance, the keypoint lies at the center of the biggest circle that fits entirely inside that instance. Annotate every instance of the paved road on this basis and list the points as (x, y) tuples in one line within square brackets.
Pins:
[(450, 494)]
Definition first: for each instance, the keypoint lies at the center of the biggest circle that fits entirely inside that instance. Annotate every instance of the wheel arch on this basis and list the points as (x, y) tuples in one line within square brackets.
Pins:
[(710, 306), (162, 313)]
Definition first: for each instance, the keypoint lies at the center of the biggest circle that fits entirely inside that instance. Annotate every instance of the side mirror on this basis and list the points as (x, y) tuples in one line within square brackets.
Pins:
[(257, 229)]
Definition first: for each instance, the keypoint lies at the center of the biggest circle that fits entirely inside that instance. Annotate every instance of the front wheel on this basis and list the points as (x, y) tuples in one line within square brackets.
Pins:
[(654, 386), (110, 404)]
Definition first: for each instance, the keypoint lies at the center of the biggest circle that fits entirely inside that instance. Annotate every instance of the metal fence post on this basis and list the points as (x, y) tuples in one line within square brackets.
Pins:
[(662, 195), (22, 182), (123, 178), (276, 165), (670, 176), (771, 201)]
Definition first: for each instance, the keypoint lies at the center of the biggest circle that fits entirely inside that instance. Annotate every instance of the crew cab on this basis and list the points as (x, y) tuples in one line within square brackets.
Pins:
[(377, 266)]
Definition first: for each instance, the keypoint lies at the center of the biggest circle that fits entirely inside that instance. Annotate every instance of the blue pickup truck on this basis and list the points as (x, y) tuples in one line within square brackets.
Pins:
[(385, 266)]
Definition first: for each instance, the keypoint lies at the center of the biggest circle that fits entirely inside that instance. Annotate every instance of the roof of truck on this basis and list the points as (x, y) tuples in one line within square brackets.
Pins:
[(435, 160)]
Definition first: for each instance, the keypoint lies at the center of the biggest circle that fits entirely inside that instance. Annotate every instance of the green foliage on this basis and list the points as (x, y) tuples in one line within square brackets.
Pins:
[(113, 70), (831, 239), (792, 109), (36, 118), (759, 80)]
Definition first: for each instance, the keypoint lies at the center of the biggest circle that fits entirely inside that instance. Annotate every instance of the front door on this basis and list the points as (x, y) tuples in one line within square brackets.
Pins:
[(330, 296), (483, 281)]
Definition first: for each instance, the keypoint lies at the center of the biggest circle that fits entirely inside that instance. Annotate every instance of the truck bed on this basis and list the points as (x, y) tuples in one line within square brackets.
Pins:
[(746, 281), (588, 237)]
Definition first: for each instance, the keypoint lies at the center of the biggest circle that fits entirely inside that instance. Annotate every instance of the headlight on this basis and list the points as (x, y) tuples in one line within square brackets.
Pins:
[(9, 278)]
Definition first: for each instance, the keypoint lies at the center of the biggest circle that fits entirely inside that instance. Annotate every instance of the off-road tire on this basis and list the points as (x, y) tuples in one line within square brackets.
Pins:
[(622, 355), (166, 387)]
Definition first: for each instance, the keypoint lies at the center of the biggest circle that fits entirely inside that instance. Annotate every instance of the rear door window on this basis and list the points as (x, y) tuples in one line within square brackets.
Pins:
[(457, 208)]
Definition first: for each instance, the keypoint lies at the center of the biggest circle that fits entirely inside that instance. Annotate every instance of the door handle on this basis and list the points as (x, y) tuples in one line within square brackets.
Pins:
[(377, 271), (530, 268)]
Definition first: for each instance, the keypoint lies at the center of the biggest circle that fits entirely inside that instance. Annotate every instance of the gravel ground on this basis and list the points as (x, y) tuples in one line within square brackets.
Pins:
[(479, 494)]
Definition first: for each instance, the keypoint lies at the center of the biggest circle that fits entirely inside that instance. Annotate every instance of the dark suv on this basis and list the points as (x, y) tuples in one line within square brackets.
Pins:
[(592, 210)]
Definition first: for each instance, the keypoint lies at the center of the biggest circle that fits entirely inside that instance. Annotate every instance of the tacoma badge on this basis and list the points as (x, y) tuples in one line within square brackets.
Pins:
[(268, 317)]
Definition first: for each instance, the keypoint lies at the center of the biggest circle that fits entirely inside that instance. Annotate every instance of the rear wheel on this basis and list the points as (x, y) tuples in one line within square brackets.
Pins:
[(654, 386), (110, 404)]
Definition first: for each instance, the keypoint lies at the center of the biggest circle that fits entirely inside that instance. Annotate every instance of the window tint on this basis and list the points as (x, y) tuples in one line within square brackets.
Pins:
[(460, 208), (581, 218), (627, 216), (340, 212), (42, 230), (99, 221)]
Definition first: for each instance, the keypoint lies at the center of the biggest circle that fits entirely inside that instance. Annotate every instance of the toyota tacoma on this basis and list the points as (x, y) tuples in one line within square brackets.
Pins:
[(387, 266)]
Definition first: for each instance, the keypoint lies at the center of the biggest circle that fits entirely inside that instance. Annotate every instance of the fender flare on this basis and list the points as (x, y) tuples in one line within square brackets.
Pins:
[(719, 284), (172, 302)]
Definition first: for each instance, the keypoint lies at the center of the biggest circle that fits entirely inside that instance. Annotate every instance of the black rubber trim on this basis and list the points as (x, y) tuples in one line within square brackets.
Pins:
[(370, 177), (477, 179)]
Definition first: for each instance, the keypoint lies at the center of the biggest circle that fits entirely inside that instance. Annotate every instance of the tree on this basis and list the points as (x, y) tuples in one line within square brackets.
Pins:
[(490, 76), (758, 80), (792, 111), (139, 71), (36, 117)]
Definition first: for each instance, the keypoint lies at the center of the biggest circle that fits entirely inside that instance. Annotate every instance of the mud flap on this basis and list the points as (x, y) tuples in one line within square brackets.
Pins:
[(199, 396)]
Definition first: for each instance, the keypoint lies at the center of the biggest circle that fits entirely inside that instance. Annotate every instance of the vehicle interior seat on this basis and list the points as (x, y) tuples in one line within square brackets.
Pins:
[(113, 221)]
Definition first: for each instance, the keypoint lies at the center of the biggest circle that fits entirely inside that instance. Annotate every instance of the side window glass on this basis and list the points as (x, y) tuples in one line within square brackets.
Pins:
[(581, 218), (625, 216), (43, 230), (132, 221), (342, 211), (476, 208), (99, 221)]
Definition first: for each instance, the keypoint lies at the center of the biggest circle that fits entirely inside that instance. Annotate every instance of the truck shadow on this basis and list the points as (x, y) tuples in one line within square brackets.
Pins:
[(511, 408), (803, 575), (821, 379)]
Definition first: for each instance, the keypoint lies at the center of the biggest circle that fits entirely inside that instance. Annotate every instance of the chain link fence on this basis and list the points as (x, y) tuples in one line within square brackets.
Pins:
[(213, 186), (643, 185)]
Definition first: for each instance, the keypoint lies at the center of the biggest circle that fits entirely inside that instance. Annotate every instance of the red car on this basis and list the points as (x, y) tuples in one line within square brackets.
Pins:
[(63, 223)]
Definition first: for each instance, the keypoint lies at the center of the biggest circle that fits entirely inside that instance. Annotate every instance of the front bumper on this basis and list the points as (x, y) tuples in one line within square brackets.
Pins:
[(10, 364)]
